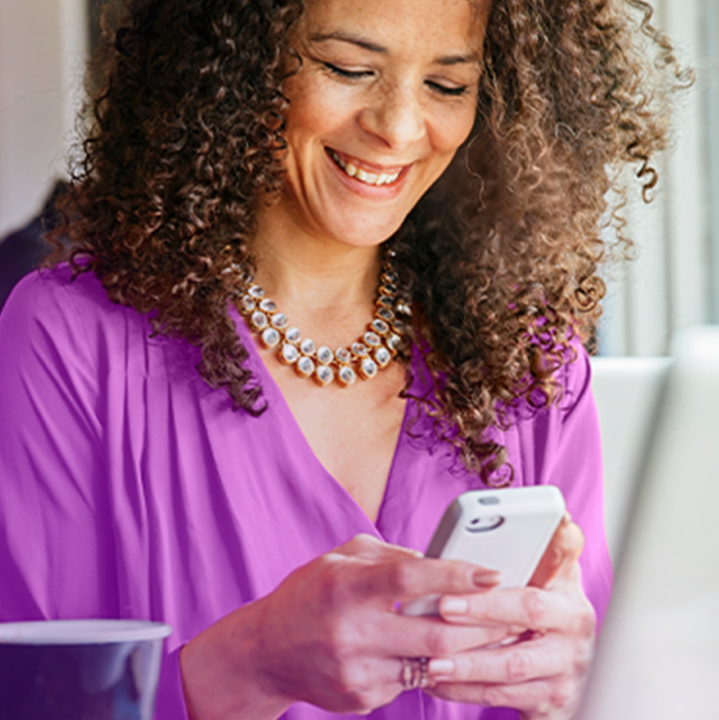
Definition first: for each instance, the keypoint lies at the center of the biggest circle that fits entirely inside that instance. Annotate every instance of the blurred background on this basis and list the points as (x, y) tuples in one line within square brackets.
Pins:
[(673, 283)]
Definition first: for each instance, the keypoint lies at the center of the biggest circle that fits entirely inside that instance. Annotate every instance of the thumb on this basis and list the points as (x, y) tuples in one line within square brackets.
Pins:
[(562, 552)]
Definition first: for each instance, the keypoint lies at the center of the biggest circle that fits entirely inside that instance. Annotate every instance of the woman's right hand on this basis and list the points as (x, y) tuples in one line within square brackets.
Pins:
[(330, 635)]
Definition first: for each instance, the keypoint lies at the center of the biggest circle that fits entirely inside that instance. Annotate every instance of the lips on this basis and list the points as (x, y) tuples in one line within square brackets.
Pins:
[(363, 174)]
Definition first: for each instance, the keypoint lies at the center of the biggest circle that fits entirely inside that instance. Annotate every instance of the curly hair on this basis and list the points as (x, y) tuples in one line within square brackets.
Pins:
[(500, 257)]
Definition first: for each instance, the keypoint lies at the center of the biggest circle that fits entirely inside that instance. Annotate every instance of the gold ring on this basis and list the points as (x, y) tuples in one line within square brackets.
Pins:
[(414, 673)]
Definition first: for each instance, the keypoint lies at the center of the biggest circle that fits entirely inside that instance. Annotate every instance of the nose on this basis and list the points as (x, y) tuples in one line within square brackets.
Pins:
[(395, 116)]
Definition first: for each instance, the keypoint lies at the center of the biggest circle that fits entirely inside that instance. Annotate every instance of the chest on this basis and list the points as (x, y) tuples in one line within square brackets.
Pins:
[(352, 431), (235, 502)]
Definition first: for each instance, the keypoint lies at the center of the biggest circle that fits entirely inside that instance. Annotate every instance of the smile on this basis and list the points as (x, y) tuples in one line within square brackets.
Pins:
[(369, 178)]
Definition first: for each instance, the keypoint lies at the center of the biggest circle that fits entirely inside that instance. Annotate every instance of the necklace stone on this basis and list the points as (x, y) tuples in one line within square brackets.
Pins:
[(364, 358)]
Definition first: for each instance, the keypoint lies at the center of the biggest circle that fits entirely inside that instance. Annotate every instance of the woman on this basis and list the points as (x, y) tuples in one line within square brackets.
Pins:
[(260, 166)]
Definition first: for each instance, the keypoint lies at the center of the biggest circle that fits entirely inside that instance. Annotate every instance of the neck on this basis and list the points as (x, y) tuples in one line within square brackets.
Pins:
[(329, 294), (318, 282)]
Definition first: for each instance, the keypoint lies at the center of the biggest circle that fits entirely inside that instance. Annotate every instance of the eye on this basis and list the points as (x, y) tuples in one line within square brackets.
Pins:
[(448, 91), (347, 74)]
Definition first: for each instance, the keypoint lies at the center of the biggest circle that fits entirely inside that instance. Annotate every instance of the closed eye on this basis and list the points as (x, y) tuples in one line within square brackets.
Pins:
[(347, 74), (453, 91), (446, 90)]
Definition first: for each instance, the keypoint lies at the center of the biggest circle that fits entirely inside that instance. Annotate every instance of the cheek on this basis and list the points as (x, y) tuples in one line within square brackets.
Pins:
[(449, 130), (302, 120), (314, 112)]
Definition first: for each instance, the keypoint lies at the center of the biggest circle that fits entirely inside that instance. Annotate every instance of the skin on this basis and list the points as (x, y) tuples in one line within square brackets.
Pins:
[(385, 87), (542, 676), (382, 85)]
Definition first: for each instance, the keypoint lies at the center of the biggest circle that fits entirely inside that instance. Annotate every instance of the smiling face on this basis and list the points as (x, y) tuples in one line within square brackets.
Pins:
[(385, 95)]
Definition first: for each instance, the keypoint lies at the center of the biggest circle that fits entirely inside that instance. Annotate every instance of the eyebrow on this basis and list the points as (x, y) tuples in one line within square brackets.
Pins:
[(359, 41), (349, 38)]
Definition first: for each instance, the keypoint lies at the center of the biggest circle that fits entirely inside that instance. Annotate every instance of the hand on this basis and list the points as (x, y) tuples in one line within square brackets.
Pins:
[(330, 635), (541, 674), (342, 653)]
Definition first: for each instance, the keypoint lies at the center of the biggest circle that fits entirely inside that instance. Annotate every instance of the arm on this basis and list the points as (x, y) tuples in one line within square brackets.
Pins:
[(544, 675), (211, 666), (50, 458), (58, 554), (58, 544), (60, 537), (329, 635)]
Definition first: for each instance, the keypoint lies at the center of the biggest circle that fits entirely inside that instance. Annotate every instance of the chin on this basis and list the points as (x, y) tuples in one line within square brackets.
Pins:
[(363, 229), (366, 238)]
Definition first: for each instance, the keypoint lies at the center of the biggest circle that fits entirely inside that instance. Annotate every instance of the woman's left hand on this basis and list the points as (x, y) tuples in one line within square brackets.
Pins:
[(542, 674)]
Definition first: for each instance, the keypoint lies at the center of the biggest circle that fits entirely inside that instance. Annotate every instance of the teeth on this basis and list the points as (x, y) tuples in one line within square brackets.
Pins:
[(369, 178), (365, 177)]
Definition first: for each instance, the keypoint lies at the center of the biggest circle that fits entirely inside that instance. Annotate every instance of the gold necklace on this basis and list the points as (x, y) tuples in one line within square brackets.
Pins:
[(364, 358)]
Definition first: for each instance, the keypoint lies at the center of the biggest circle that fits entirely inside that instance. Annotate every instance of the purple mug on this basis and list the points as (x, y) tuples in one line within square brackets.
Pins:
[(80, 669)]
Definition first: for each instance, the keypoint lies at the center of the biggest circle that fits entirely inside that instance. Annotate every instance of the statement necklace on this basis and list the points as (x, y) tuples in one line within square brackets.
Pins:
[(364, 358)]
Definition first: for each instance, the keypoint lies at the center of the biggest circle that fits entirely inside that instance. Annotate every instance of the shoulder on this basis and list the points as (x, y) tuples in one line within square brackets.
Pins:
[(49, 293), (572, 385), (52, 314), (539, 436), (574, 377)]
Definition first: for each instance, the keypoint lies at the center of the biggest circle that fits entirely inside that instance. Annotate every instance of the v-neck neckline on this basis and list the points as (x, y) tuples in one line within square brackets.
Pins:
[(273, 393)]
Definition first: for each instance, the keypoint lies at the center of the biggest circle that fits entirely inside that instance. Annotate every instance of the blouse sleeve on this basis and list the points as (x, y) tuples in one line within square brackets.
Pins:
[(566, 452), (50, 462), (58, 555)]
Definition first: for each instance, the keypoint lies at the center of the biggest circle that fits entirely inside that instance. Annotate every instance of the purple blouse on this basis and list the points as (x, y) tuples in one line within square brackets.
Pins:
[(130, 489)]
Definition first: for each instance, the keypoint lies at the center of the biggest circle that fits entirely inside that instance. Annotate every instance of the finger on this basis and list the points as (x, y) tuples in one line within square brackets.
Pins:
[(402, 573), (522, 609), (430, 637), (521, 662), (564, 548), (411, 578), (371, 548), (555, 697)]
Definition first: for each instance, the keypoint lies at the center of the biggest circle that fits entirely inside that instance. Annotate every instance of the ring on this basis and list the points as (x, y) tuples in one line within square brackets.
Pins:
[(414, 673)]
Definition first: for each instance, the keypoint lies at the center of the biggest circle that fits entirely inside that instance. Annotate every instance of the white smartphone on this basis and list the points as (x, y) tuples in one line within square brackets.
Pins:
[(506, 530)]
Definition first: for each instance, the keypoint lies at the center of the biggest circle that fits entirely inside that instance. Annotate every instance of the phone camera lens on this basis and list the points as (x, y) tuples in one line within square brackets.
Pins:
[(484, 524)]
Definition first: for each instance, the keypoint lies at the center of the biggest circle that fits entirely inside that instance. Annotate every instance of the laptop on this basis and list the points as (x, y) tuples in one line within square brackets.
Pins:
[(658, 654)]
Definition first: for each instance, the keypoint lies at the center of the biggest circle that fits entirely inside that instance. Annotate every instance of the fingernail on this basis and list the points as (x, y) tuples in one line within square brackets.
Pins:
[(485, 577), (440, 669), (412, 553), (454, 606)]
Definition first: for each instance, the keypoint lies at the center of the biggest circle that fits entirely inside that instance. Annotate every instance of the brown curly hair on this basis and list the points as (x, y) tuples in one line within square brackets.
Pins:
[(500, 257)]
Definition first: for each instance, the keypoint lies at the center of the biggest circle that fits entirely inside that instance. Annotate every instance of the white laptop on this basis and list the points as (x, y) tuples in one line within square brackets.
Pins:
[(658, 655)]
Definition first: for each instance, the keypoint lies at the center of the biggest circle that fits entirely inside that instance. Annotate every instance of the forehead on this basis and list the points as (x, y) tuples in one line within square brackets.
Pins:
[(423, 26)]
